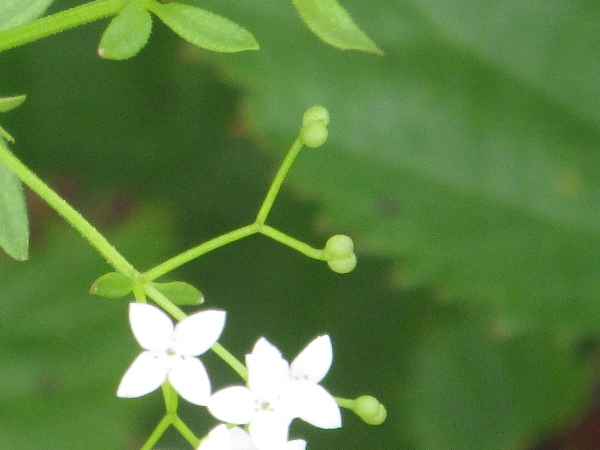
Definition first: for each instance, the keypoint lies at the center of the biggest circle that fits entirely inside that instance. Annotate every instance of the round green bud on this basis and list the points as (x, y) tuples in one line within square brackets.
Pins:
[(370, 410), (316, 114), (314, 134), (339, 246), (343, 265)]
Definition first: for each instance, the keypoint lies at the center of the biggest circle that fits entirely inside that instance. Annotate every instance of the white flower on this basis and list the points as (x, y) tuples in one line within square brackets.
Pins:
[(222, 438), (170, 352), (277, 393)]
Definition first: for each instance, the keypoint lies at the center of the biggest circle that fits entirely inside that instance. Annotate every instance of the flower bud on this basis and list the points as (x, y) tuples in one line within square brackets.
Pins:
[(370, 410), (316, 114), (339, 246), (314, 134), (343, 265)]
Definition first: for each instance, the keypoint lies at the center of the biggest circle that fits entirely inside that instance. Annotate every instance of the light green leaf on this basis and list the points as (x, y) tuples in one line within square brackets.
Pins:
[(8, 103), (332, 23), (465, 392), (112, 285), (127, 32), (180, 293), (203, 28), (18, 12), (14, 225)]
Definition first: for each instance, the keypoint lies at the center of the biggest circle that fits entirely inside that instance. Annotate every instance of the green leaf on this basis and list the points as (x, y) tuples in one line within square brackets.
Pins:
[(180, 293), (8, 103), (203, 28), (332, 23), (112, 285), (468, 173), (18, 12), (465, 392), (14, 225), (127, 33)]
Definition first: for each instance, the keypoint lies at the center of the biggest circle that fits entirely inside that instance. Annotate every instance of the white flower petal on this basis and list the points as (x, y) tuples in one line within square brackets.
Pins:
[(269, 431), (263, 346), (147, 372), (311, 403), (195, 334), (314, 361), (151, 327), (296, 444), (241, 440), (234, 404), (218, 439), (189, 377), (267, 370)]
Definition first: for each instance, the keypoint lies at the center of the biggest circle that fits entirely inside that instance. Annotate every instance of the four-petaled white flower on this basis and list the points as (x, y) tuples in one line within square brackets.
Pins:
[(170, 352), (222, 438), (277, 393)]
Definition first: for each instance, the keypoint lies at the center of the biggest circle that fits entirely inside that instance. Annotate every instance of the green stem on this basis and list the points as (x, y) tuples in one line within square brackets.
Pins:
[(303, 248), (199, 250), (265, 208), (347, 403), (235, 364), (58, 22), (164, 302), (157, 433), (93, 236), (185, 431), (171, 398)]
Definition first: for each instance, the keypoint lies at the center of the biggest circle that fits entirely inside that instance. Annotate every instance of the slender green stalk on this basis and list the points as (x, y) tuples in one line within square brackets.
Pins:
[(171, 398), (58, 22), (235, 364), (267, 204), (139, 294), (157, 433), (347, 403), (303, 248), (93, 236), (164, 302), (185, 431), (199, 250)]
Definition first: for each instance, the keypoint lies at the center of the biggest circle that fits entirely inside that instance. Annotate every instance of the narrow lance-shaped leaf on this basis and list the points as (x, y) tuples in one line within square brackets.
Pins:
[(14, 225), (8, 103), (204, 28), (112, 285), (332, 23), (127, 33)]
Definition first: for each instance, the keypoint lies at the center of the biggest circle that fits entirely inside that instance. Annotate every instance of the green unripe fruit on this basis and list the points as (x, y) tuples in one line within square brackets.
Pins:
[(314, 134), (339, 246), (343, 265), (370, 410), (316, 114)]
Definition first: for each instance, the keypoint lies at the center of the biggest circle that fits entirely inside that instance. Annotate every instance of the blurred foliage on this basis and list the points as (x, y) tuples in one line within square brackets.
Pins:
[(463, 161)]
